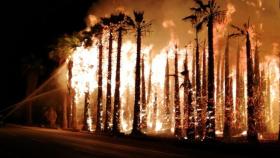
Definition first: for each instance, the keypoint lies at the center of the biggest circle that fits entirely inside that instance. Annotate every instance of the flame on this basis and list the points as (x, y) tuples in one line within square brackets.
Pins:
[(85, 68)]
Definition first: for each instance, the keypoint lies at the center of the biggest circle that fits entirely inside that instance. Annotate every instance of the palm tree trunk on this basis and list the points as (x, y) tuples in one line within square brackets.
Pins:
[(219, 92), (99, 91), (143, 98), (238, 92), (193, 70), (72, 109), (155, 113), (251, 132), (190, 122), (86, 112), (117, 104), (240, 101), (69, 94), (259, 101), (149, 85), (210, 122), (198, 91), (108, 118), (166, 95), (177, 98), (204, 90), (136, 118), (228, 97)]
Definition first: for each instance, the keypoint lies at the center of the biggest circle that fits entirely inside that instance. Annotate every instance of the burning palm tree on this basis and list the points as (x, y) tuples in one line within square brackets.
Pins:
[(178, 131), (188, 106), (194, 19), (252, 132), (122, 21), (97, 31), (228, 96), (143, 96), (167, 94), (240, 102), (140, 26), (204, 88), (108, 24), (65, 47), (209, 13)]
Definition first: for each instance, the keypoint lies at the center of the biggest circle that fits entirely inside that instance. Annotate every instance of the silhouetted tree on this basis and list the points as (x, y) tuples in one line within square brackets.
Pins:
[(194, 19), (251, 132), (86, 112), (209, 14), (65, 46), (140, 26), (97, 31), (122, 21), (204, 87), (143, 96), (108, 24), (259, 100), (188, 102)]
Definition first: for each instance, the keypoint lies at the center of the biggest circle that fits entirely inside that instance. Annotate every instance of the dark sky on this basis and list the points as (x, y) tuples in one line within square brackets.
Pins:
[(30, 27)]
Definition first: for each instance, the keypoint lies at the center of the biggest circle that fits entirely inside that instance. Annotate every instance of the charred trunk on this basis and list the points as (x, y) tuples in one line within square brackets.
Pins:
[(136, 118), (143, 97), (188, 105), (178, 131), (117, 104), (240, 102), (99, 91), (204, 89), (210, 122), (86, 112), (167, 95), (251, 132), (228, 97), (108, 118), (198, 91)]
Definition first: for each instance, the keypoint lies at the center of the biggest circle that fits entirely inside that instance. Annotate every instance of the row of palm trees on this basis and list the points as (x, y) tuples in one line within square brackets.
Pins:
[(202, 14), (116, 26), (210, 13)]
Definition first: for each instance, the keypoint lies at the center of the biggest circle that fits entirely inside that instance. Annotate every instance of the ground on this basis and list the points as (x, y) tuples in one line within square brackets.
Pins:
[(20, 141)]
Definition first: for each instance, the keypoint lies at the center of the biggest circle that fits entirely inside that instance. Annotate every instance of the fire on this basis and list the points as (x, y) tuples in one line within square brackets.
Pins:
[(85, 79)]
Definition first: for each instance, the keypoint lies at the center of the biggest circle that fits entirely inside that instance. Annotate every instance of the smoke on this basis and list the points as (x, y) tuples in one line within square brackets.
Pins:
[(165, 15), (262, 14)]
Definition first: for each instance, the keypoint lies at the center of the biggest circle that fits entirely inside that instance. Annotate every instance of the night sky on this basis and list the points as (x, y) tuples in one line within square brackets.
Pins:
[(31, 27)]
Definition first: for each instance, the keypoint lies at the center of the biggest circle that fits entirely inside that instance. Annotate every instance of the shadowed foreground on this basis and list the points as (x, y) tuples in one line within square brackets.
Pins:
[(20, 141)]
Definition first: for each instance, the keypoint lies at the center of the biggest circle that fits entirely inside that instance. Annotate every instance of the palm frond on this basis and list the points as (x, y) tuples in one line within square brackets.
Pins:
[(201, 4), (200, 24), (190, 17), (139, 16)]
